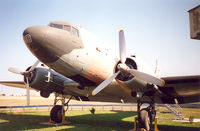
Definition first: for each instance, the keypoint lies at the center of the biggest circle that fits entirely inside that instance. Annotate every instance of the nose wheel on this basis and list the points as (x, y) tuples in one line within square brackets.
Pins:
[(57, 114)]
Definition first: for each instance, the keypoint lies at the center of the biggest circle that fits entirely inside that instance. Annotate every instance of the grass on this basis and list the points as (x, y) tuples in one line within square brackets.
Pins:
[(85, 121)]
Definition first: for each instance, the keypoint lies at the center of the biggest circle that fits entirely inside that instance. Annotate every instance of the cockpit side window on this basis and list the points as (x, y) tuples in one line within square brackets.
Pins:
[(67, 27), (75, 32), (56, 26)]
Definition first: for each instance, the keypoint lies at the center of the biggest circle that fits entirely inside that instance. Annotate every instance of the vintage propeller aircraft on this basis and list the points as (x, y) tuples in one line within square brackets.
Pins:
[(81, 68)]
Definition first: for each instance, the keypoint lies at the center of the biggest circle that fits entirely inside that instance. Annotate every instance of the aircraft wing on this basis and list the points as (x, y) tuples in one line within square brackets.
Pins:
[(181, 89), (184, 88), (68, 85), (17, 84)]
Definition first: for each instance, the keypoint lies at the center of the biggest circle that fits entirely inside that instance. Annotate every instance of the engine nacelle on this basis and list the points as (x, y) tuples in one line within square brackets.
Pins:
[(47, 81), (128, 80), (123, 76)]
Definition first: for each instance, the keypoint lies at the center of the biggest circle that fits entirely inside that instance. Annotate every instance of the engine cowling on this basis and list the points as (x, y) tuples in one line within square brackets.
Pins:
[(128, 80), (47, 81), (124, 76)]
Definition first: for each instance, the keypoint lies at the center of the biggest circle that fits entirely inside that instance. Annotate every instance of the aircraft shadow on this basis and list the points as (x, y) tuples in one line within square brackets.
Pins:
[(108, 121), (88, 122), (20, 121)]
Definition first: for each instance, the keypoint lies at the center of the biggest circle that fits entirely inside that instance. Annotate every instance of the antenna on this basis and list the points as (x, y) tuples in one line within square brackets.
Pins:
[(157, 69)]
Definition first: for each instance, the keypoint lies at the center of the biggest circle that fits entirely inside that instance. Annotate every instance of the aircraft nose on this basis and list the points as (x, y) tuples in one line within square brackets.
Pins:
[(34, 35), (35, 40)]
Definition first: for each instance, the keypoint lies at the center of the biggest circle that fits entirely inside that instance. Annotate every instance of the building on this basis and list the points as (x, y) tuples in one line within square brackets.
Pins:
[(194, 14)]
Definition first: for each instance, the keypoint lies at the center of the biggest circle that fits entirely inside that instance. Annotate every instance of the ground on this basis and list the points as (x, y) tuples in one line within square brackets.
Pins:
[(83, 120)]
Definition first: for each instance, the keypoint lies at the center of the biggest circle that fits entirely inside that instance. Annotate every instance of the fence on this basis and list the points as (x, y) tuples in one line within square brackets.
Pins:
[(82, 107)]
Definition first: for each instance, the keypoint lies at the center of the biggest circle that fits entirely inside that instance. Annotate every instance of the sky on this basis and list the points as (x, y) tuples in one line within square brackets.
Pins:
[(154, 29)]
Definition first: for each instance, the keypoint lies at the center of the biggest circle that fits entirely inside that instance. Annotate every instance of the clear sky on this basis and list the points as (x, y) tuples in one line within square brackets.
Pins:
[(154, 29)]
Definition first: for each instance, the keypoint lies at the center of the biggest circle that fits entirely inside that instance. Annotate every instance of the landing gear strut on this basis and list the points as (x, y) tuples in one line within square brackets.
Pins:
[(146, 115), (57, 114)]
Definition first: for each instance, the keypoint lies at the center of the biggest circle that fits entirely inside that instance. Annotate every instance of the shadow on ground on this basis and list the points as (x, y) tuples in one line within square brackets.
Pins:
[(87, 122)]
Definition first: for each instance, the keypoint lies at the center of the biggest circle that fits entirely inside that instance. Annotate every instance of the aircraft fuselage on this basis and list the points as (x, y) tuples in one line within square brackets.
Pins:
[(78, 55)]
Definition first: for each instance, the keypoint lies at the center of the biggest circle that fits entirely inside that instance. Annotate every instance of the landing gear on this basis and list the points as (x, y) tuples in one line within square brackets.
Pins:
[(146, 115), (57, 114)]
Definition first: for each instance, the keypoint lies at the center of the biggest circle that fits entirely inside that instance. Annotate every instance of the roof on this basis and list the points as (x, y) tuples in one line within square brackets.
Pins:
[(194, 8)]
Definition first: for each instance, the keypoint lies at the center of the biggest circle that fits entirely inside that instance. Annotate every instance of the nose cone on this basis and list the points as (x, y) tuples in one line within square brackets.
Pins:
[(48, 44), (35, 40), (33, 35)]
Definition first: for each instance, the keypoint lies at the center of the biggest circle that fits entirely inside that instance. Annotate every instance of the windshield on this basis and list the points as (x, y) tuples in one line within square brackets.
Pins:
[(69, 28), (64, 27), (56, 26)]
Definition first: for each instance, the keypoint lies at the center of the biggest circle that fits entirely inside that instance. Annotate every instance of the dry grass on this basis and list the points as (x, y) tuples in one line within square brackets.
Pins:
[(35, 100)]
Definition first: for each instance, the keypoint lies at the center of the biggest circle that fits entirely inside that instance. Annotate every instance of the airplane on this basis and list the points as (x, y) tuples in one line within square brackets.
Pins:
[(80, 68)]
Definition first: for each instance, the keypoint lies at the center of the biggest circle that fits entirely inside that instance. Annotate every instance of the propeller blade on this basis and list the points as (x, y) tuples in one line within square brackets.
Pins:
[(27, 92), (122, 46), (104, 84), (146, 77), (15, 70), (33, 66)]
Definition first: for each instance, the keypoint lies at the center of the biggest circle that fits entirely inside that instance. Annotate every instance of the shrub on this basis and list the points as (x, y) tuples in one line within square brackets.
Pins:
[(191, 119), (92, 110)]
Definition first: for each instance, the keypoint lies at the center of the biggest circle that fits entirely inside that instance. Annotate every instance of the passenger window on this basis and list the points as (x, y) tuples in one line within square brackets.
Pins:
[(67, 27), (75, 32)]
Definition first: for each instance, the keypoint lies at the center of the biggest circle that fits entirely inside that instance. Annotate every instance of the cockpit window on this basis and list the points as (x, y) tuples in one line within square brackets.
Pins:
[(75, 32), (56, 26), (67, 27), (64, 27)]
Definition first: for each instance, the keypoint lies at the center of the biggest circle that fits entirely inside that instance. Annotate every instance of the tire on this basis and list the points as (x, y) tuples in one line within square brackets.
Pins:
[(145, 118), (56, 113)]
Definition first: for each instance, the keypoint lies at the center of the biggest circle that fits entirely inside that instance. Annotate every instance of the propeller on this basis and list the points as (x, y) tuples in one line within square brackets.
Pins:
[(104, 84), (122, 47), (147, 77), (122, 53), (26, 74), (15, 70), (123, 67)]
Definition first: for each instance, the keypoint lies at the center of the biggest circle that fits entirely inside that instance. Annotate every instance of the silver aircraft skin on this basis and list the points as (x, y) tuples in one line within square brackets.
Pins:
[(96, 74)]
